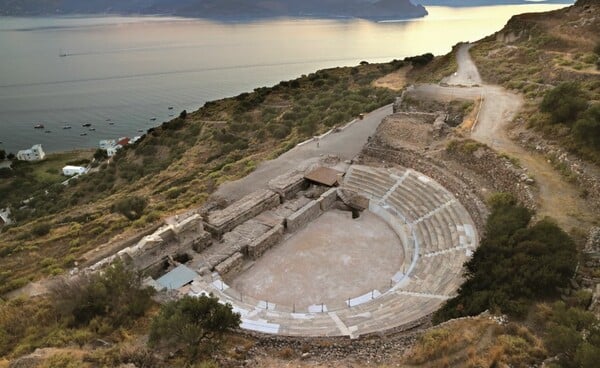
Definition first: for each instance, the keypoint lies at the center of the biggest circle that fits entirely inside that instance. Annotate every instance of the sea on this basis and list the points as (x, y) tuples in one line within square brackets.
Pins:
[(124, 75)]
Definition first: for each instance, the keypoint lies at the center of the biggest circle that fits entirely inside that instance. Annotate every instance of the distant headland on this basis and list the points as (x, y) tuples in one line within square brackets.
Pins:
[(222, 9)]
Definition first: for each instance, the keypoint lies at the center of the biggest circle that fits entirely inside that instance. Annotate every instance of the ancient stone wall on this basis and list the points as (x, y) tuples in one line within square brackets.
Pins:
[(303, 216), (500, 172), (222, 221), (266, 241), (327, 199), (232, 264), (288, 184)]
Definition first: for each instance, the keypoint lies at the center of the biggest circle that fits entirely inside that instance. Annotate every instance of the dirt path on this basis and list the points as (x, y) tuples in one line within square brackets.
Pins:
[(557, 198), (467, 73)]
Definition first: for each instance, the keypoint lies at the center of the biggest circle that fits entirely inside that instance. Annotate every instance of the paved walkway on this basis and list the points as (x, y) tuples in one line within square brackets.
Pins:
[(346, 144)]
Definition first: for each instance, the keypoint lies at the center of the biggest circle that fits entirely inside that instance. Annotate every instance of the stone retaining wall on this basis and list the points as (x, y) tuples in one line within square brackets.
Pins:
[(266, 241), (303, 216), (230, 265), (222, 221), (327, 199)]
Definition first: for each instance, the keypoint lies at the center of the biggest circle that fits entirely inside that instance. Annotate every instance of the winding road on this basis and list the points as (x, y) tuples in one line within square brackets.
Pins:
[(499, 107)]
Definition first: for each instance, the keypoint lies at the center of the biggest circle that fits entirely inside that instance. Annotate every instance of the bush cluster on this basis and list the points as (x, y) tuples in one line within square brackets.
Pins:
[(516, 264), (567, 104)]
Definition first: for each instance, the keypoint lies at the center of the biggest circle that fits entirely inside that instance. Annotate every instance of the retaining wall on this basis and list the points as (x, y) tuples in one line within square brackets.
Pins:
[(230, 265), (222, 221), (327, 199), (266, 241), (303, 216)]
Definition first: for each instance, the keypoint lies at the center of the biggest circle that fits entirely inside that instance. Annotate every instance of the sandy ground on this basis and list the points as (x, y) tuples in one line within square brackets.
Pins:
[(557, 198), (330, 260), (345, 144)]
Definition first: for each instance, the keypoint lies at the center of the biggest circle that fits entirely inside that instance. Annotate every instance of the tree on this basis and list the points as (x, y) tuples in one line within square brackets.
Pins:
[(2, 154), (100, 155), (192, 324), (514, 266), (587, 129), (564, 102), (10, 156), (130, 207)]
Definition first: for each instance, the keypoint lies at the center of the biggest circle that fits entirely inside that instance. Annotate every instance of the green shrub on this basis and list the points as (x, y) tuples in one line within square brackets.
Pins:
[(41, 229), (564, 102), (587, 129), (515, 265), (130, 207), (116, 296)]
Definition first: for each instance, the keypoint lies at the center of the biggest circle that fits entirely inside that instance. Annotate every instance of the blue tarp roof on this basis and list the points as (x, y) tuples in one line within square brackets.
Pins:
[(178, 277)]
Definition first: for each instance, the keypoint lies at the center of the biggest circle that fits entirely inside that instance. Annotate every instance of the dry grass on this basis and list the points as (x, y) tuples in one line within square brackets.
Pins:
[(394, 81), (475, 343)]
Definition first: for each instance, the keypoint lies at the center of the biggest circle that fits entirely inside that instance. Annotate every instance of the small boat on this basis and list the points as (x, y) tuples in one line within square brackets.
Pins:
[(140, 130), (86, 125), (48, 131), (67, 127), (39, 126), (108, 120), (92, 129), (82, 134), (111, 123), (152, 119), (171, 115), (170, 107)]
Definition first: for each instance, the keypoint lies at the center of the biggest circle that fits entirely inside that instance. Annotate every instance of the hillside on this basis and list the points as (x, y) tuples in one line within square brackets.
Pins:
[(221, 9), (535, 53), (550, 59)]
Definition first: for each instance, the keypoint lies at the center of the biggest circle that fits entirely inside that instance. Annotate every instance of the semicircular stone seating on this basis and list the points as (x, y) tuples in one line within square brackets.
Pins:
[(438, 236)]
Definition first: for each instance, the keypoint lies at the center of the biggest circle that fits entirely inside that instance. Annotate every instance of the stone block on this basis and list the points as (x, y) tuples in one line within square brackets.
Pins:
[(190, 223), (327, 199), (266, 241), (288, 185), (222, 221), (230, 265), (201, 241), (303, 216)]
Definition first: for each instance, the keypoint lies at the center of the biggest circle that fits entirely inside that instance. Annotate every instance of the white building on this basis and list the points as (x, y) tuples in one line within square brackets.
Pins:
[(111, 151), (111, 146), (5, 217), (107, 143), (35, 153), (73, 170)]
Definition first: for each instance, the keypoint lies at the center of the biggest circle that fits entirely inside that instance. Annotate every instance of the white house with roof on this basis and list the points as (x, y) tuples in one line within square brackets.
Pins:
[(111, 146), (70, 170), (35, 153), (107, 143)]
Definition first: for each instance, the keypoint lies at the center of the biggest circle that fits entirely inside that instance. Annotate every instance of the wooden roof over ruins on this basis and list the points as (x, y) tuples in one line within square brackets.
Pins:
[(323, 175)]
